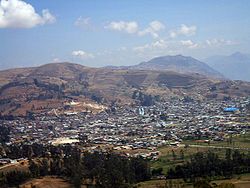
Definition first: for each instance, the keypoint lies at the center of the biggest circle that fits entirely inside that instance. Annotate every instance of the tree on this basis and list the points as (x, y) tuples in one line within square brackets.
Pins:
[(15, 178), (44, 169), (30, 115), (181, 154), (173, 155), (202, 184), (30, 152), (157, 171), (141, 169), (230, 139), (4, 134), (228, 154), (34, 169)]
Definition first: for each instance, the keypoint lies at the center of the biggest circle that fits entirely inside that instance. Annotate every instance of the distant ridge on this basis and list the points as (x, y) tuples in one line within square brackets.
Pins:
[(235, 66), (51, 86), (178, 63)]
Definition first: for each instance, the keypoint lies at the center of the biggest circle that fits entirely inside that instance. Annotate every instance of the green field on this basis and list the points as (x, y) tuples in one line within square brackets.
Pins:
[(238, 141), (242, 181), (168, 160)]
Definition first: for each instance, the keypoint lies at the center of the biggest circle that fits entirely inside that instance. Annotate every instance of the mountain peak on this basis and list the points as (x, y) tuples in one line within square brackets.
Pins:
[(178, 63), (240, 56), (237, 54), (58, 69)]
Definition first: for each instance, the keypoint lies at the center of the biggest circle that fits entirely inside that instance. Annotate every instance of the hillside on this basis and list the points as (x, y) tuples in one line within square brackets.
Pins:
[(235, 66), (180, 64), (51, 88)]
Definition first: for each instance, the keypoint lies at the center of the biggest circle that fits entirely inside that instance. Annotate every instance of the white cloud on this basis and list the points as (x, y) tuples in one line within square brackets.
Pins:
[(132, 27), (219, 42), (156, 25), (172, 34), (81, 21), (157, 45), (184, 30), (19, 14), (189, 44), (153, 29), (56, 60), (128, 27), (141, 49), (47, 17), (82, 54), (187, 30)]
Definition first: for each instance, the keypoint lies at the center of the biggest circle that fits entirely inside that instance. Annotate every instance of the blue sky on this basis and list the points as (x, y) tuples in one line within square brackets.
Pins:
[(111, 32)]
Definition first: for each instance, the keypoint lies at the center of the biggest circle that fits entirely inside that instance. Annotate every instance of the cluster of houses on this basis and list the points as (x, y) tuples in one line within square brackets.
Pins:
[(136, 128)]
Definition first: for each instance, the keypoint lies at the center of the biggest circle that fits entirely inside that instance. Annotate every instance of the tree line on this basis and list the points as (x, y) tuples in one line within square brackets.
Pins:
[(210, 165), (99, 169)]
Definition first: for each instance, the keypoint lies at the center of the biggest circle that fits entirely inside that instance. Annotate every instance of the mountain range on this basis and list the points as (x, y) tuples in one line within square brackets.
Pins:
[(52, 87), (178, 63), (235, 66)]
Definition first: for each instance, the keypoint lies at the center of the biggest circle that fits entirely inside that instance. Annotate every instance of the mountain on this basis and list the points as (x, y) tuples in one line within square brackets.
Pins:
[(180, 64), (51, 88), (235, 66)]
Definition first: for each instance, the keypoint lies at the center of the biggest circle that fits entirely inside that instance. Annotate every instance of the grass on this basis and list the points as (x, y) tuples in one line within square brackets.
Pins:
[(151, 183), (238, 141), (240, 181), (167, 161)]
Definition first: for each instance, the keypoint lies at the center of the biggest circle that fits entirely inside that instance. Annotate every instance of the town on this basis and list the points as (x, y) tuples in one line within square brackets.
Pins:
[(132, 130)]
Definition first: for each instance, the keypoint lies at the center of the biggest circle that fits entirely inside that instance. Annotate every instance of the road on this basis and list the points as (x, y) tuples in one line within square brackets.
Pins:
[(215, 147)]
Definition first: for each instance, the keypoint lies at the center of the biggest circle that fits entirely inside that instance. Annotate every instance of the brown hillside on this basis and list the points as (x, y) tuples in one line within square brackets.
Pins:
[(50, 86)]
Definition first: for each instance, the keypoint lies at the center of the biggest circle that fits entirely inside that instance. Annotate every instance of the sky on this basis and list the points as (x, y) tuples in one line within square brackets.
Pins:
[(119, 32)]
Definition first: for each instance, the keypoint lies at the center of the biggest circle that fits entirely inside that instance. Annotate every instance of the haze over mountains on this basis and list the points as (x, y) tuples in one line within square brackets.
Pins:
[(235, 66)]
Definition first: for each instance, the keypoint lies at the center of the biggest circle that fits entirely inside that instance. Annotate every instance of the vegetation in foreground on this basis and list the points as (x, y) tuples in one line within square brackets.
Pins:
[(209, 165), (111, 170), (173, 156), (185, 166), (97, 169)]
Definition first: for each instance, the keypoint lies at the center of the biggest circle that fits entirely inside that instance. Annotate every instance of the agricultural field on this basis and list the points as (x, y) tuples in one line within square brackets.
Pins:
[(237, 141), (242, 181), (171, 156)]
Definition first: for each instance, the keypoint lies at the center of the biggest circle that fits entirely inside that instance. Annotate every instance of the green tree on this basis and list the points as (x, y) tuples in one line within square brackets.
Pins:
[(173, 155), (34, 169), (182, 154), (4, 134), (44, 168), (15, 178), (202, 184)]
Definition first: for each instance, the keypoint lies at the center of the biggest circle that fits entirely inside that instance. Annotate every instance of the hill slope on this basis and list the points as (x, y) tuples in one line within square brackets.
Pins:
[(51, 87)]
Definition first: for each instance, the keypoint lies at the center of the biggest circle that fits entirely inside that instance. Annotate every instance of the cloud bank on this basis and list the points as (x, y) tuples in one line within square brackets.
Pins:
[(19, 14), (127, 27)]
